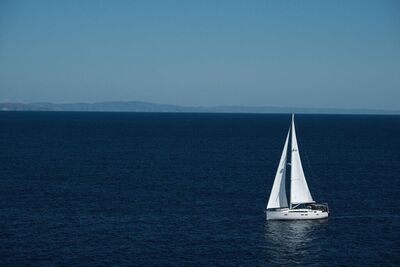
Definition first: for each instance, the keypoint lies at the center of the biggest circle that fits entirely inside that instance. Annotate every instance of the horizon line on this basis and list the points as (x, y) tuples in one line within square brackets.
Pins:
[(196, 106)]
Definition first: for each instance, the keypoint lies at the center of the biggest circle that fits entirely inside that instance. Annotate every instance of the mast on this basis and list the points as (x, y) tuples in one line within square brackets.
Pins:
[(299, 192)]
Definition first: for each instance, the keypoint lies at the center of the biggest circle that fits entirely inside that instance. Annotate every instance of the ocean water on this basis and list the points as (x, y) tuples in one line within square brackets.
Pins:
[(159, 189)]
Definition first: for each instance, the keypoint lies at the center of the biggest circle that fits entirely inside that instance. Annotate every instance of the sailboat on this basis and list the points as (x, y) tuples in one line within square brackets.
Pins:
[(301, 206)]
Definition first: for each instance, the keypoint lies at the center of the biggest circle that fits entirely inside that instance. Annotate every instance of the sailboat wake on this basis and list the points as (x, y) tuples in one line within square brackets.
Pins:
[(373, 216)]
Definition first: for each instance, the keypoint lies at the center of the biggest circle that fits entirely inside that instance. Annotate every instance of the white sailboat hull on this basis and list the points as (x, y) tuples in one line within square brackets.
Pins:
[(296, 214)]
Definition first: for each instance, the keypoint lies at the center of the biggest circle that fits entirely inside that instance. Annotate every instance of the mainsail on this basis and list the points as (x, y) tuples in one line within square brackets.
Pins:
[(299, 192), (278, 198)]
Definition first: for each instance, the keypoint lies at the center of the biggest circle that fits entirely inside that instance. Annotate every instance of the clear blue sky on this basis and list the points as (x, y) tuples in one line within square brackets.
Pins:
[(270, 53)]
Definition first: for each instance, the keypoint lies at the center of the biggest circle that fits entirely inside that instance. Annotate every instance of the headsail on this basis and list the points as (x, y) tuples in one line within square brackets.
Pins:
[(278, 198), (299, 192)]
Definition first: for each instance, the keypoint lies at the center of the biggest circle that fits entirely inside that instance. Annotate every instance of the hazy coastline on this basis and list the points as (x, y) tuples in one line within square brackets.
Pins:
[(139, 106)]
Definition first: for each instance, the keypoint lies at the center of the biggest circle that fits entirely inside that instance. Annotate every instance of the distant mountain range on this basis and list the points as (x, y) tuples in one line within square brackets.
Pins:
[(137, 106)]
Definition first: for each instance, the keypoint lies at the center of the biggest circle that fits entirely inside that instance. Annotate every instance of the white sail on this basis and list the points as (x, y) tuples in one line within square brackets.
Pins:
[(278, 198), (299, 192)]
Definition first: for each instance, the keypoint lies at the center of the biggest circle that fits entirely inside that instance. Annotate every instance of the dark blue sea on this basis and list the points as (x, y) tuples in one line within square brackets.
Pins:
[(164, 189)]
